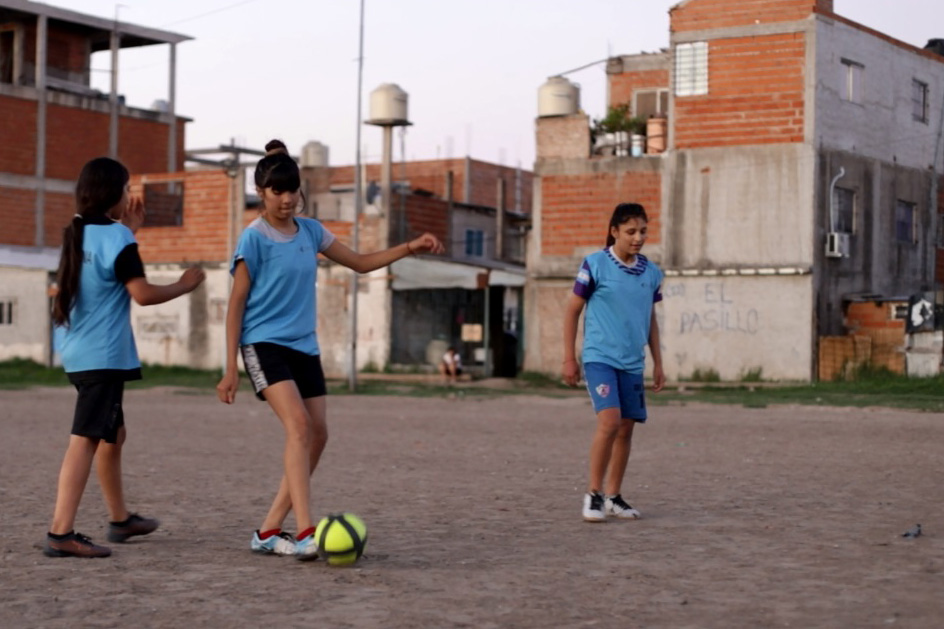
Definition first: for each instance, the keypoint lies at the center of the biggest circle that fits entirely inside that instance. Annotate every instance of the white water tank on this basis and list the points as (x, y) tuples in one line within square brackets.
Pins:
[(558, 97), (314, 154), (388, 106)]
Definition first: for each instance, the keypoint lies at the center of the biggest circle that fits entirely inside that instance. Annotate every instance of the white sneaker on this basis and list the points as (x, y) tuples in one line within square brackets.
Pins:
[(593, 508), (616, 506), (281, 544), (306, 549)]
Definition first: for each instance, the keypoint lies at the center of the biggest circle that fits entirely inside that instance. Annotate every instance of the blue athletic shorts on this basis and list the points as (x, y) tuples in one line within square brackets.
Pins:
[(614, 388)]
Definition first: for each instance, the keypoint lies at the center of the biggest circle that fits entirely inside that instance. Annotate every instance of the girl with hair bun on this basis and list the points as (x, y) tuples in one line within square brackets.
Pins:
[(271, 321), (99, 273)]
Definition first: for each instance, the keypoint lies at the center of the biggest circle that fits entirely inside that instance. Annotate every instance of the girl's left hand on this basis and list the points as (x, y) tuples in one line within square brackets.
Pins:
[(133, 216), (658, 378), (427, 243)]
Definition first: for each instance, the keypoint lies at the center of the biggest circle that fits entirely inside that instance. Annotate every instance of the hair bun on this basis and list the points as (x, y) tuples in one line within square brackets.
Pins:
[(274, 147)]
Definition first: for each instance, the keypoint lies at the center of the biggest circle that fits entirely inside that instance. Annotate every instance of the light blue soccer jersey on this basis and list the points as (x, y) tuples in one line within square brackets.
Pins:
[(99, 334), (619, 308), (283, 270)]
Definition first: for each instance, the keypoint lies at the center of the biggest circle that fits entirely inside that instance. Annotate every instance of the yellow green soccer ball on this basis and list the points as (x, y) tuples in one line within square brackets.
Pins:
[(342, 538)]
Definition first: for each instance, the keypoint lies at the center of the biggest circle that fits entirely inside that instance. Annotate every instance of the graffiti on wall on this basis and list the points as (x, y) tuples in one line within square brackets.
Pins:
[(713, 311)]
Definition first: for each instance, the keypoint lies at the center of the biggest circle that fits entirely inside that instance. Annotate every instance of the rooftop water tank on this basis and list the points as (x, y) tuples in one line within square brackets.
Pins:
[(314, 154), (935, 46), (388, 106), (558, 97)]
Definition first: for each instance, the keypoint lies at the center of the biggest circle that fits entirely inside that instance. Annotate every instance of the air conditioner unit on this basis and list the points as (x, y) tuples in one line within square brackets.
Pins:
[(837, 245)]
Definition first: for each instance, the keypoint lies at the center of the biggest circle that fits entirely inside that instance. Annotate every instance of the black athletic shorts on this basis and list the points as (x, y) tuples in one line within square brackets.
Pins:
[(98, 411), (269, 363)]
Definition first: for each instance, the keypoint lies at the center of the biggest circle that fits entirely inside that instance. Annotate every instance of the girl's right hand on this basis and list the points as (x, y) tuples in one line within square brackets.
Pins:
[(571, 372), (192, 277), (226, 389)]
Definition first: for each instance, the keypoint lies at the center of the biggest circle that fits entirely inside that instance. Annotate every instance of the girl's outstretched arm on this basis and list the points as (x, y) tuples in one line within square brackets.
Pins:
[(366, 262), (146, 294), (570, 370)]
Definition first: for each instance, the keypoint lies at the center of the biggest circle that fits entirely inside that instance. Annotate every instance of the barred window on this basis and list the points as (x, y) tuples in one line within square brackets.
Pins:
[(919, 100), (691, 69)]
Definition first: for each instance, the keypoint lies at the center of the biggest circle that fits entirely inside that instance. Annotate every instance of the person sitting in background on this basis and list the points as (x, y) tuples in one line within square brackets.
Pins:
[(451, 365)]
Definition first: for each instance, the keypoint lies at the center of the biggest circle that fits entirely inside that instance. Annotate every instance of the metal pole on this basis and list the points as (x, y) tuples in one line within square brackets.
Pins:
[(42, 44), (113, 97), (172, 112), (358, 208)]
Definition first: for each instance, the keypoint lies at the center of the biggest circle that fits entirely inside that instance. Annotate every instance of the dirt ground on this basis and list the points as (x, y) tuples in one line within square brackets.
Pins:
[(779, 517)]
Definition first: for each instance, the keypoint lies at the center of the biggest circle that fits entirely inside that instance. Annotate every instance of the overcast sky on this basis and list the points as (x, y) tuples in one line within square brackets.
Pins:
[(258, 69)]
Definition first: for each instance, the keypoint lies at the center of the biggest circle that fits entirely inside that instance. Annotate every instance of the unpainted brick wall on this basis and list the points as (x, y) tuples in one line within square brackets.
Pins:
[(755, 94), (696, 15), (577, 208), (624, 84)]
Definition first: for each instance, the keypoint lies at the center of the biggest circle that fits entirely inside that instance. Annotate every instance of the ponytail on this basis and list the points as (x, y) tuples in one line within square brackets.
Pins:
[(70, 268), (99, 188)]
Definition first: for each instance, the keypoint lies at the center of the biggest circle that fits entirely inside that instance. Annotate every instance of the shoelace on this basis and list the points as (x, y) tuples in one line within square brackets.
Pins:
[(596, 501), (83, 539), (619, 502)]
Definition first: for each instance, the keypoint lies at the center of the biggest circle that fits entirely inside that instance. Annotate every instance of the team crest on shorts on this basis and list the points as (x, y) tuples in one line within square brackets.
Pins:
[(603, 389)]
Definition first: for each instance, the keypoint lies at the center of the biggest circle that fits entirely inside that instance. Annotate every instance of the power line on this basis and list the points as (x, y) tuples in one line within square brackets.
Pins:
[(213, 12)]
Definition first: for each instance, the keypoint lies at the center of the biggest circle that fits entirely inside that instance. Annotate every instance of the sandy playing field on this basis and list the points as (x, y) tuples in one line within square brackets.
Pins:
[(778, 517)]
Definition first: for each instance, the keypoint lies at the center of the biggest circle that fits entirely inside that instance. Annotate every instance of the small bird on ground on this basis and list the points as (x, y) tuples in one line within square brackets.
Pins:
[(912, 532)]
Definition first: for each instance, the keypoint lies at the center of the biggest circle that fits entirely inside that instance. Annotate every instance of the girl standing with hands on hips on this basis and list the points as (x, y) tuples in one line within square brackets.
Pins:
[(271, 320), (618, 286), (100, 270)]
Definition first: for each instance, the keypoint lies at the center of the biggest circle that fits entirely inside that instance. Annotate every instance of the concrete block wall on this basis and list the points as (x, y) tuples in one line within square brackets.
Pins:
[(563, 137)]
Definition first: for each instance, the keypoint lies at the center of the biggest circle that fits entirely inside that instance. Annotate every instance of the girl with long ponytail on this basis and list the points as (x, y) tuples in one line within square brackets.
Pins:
[(100, 271)]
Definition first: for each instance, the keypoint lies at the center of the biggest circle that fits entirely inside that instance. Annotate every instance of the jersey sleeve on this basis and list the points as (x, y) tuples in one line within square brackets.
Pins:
[(247, 250), (128, 264), (657, 295), (327, 239), (584, 285)]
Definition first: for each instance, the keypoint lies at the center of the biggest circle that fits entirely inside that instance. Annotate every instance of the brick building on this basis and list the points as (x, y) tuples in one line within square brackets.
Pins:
[(51, 122), (792, 170)]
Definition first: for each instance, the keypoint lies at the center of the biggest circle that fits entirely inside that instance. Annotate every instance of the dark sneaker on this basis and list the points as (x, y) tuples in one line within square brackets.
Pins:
[(134, 525), (75, 545), (593, 507), (616, 506)]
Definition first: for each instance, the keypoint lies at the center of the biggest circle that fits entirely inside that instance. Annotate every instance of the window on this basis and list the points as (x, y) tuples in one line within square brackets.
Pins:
[(6, 311), (164, 203), (648, 103), (905, 222), (474, 242), (850, 88), (844, 207), (919, 100), (691, 69)]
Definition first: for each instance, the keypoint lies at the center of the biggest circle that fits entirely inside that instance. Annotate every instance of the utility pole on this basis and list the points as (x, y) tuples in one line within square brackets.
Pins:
[(358, 208)]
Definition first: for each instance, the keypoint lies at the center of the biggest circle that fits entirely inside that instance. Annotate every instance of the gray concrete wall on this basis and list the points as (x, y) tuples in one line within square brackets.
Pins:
[(29, 335), (882, 125), (737, 324), (878, 263), (739, 207)]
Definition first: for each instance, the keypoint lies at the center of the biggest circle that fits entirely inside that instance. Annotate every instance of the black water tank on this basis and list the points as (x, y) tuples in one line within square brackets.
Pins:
[(935, 46)]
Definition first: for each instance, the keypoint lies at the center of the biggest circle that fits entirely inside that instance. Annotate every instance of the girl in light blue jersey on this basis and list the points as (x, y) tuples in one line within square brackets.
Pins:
[(618, 286), (271, 320), (99, 272)]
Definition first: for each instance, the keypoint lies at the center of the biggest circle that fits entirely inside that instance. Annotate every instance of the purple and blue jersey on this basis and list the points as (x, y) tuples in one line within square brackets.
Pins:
[(619, 308)]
